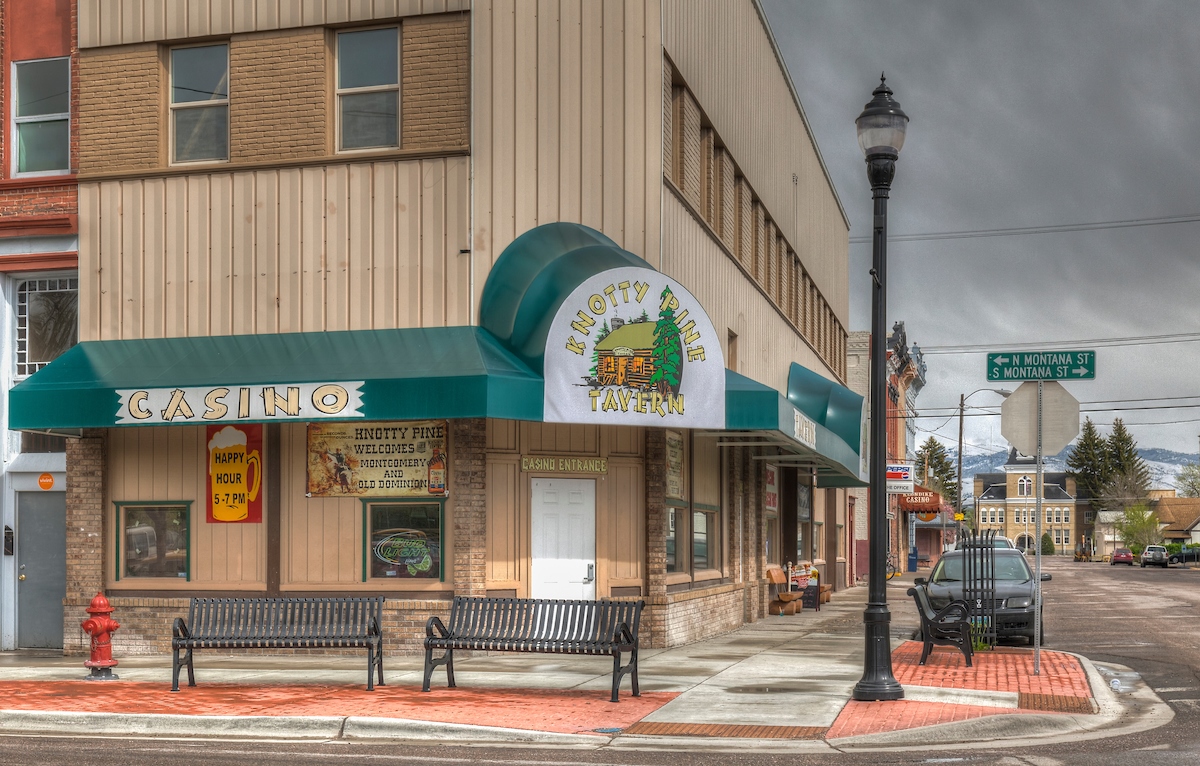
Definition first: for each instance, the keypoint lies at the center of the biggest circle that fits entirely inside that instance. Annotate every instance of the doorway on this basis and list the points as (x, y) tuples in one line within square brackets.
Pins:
[(563, 528), (41, 569)]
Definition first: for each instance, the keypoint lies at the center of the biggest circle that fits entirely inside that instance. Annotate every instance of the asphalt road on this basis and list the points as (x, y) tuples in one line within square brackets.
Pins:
[(1145, 619)]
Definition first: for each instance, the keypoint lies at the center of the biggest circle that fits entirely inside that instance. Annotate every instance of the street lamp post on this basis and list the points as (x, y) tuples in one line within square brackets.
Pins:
[(881, 128), (962, 404)]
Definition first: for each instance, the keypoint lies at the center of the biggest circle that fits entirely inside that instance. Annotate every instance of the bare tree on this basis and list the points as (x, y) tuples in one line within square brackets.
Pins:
[(1123, 490)]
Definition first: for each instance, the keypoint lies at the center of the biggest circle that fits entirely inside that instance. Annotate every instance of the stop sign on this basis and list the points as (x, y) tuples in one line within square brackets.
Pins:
[(1060, 418)]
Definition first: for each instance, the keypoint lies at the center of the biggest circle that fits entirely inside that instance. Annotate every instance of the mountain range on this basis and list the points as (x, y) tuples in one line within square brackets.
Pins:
[(1164, 464)]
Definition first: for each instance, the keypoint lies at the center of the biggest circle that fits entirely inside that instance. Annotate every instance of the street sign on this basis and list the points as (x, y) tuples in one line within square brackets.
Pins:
[(959, 516), (1042, 365), (1060, 418), (899, 479)]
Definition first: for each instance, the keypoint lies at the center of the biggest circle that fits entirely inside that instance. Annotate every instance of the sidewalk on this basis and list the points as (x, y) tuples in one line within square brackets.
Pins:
[(783, 683)]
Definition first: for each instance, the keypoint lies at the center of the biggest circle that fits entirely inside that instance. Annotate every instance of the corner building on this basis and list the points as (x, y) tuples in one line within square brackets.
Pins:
[(441, 298)]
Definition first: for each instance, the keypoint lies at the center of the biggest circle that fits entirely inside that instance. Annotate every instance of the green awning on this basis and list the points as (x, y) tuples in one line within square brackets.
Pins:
[(757, 409), (445, 372)]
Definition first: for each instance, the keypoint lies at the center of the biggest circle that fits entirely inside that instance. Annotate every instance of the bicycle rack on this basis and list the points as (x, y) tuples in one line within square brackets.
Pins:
[(979, 583)]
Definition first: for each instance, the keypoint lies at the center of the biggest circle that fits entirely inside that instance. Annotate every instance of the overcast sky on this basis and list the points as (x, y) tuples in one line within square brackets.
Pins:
[(1024, 114)]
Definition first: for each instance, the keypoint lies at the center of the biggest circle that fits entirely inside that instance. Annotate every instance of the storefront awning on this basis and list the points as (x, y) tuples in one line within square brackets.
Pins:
[(417, 373), (758, 415)]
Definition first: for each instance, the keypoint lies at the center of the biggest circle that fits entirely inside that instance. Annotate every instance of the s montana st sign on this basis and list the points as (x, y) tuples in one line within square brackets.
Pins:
[(1042, 365)]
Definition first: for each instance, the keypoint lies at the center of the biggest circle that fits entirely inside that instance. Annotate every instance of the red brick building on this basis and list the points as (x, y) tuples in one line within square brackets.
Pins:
[(39, 244)]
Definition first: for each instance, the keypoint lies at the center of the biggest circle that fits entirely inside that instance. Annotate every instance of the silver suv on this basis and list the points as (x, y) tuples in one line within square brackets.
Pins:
[(1155, 555)]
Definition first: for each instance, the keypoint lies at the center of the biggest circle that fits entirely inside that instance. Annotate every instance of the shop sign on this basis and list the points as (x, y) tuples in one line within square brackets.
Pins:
[(235, 473), (225, 404), (630, 346), (674, 477), (804, 429), (921, 500), (552, 464), (384, 459), (770, 488)]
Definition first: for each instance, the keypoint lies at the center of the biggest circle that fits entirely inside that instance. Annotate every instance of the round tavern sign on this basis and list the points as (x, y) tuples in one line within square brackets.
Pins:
[(630, 346)]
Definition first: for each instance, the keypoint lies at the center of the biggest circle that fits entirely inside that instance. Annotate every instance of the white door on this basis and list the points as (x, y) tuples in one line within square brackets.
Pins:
[(563, 527)]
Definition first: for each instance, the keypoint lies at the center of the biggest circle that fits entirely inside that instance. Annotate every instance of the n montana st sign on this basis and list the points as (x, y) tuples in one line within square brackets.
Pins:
[(1041, 365)]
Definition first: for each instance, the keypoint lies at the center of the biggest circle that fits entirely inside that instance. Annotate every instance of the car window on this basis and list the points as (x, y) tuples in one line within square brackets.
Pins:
[(1007, 568)]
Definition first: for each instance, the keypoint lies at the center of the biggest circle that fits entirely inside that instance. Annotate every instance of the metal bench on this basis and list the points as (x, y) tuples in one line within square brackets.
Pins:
[(279, 623), (951, 626), (537, 625)]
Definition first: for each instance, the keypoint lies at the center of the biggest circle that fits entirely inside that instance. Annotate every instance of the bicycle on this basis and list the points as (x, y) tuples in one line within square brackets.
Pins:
[(893, 567)]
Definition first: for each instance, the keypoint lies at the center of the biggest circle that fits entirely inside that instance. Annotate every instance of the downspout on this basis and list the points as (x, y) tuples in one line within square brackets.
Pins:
[(469, 250)]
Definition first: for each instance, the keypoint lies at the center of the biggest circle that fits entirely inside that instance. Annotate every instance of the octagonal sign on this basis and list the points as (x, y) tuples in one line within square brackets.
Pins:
[(1060, 418)]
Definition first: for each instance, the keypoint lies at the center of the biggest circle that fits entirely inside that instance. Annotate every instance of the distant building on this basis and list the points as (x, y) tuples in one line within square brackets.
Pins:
[(1007, 503)]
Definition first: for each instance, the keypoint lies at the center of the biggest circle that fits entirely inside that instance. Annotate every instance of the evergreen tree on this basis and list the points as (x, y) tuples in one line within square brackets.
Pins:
[(935, 470), (1048, 544), (1088, 462), (1123, 456), (668, 350)]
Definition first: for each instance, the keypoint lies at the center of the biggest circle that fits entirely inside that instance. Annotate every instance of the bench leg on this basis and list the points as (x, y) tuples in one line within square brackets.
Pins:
[(446, 659), (175, 670), (633, 662), (926, 650), (370, 667), (379, 661), (617, 673), (177, 664)]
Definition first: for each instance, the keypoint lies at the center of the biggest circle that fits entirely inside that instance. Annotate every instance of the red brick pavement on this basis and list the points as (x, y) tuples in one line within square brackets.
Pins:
[(563, 711), (1003, 670)]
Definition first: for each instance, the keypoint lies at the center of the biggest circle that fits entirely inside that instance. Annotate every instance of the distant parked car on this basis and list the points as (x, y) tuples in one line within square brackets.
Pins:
[(1185, 556), (1154, 555), (1122, 556), (997, 542)]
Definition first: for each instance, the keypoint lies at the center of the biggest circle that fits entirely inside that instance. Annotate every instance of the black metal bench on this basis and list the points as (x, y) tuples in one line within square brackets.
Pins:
[(950, 626), (537, 625), (279, 623)]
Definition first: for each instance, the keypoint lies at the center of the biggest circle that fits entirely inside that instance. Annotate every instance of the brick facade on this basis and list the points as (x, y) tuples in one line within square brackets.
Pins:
[(436, 89), (278, 96), (468, 487), (85, 533), (122, 109)]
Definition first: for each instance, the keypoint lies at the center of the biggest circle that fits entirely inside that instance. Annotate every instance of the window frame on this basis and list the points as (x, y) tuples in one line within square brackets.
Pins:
[(368, 502), (339, 91), (173, 108), (121, 507), (15, 121), (21, 319)]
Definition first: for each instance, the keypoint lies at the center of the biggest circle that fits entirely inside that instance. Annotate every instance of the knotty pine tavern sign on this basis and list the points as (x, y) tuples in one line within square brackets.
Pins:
[(630, 346), (221, 404)]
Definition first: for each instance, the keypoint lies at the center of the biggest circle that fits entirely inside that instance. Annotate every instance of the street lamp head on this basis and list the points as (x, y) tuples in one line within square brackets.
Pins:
[(882, 124)]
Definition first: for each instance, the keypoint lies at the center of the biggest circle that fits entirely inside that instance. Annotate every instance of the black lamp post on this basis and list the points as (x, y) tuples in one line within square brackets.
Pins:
[(881, 129)]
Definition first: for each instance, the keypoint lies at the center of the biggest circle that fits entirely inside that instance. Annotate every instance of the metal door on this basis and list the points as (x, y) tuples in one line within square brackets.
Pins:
[(41, 568), (563, 527)]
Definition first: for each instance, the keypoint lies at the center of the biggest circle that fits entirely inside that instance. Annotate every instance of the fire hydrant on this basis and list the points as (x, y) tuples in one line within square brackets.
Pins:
[(100, 626)]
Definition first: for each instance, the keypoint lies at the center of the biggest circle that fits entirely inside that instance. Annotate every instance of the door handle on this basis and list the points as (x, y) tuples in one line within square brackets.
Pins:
[(21, 577), (591, 573)]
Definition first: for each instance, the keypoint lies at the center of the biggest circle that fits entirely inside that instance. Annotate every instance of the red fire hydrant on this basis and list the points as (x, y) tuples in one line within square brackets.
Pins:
[(100, 626)]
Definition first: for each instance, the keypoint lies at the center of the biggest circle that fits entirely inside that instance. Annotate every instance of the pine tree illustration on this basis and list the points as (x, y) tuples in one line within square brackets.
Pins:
[(601, 334), (668, 351)]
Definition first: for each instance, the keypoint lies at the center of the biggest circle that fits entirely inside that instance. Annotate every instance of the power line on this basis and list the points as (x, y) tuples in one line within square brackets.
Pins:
[(1134, 340), (1019, 230)]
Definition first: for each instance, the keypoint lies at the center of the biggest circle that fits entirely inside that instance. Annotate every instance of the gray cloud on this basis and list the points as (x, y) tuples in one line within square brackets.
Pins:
[(1023, 114)]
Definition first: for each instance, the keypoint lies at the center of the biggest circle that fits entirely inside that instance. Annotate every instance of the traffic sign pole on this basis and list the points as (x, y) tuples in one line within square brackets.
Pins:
[(1037, 558)]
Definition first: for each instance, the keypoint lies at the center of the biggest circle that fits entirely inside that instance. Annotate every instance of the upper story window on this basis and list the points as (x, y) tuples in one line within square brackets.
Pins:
[(368, 89), (42, 116), (200, 103), (1024, 486), (47, 321)]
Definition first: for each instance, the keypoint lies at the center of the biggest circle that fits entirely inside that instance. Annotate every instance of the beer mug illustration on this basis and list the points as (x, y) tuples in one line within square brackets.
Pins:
[(229, 478)]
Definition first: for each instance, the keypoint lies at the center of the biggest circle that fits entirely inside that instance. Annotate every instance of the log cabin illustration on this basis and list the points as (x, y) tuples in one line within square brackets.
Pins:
[(625, 357)]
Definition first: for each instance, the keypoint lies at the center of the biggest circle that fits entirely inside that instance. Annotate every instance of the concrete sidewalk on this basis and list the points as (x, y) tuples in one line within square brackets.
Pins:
[(782, 684)]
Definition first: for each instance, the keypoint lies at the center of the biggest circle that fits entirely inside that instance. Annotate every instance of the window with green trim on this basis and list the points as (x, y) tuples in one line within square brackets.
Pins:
[(404, 540), (154, 540)]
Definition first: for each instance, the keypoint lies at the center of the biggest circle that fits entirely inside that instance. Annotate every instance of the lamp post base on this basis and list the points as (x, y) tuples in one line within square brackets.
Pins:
[(878, 684)]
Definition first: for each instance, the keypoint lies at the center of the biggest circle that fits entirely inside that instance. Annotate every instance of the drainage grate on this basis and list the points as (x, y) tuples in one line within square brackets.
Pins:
[(727, 730), (1055, 703)]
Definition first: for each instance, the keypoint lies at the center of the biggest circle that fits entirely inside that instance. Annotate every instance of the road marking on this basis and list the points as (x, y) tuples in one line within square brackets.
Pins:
[(1166, 689)]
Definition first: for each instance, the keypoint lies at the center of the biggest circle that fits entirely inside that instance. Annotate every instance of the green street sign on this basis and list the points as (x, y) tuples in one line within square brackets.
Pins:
[(1042, 365)]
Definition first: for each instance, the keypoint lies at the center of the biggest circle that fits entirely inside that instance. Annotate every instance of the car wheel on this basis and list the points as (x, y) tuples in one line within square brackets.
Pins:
[(1112, 563), (1143, 564), (1173, 561)]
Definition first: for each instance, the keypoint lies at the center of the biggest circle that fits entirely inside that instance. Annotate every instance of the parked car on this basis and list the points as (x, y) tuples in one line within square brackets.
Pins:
[(1185, 556), (1015, 588), (997, 542), (1121, 556), (1154, 555)]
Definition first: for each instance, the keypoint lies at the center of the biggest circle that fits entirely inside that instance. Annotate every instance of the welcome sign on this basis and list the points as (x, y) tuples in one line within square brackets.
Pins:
[(630, 346)]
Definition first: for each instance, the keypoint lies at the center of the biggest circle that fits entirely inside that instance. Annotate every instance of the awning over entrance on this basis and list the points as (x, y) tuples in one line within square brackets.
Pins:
[(447, 372), (765, 418)]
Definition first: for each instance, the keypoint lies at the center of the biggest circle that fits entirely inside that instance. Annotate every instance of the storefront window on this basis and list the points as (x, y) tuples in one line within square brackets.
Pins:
[(672, 561), (405, 541), (155, 540), (700, 541), (771, 540)]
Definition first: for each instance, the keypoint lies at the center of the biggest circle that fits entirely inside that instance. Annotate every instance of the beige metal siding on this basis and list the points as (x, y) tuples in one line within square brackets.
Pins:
[(567, 121), (723, 52), (117, 22), (767, 341), (337, 247), (166, 464)]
